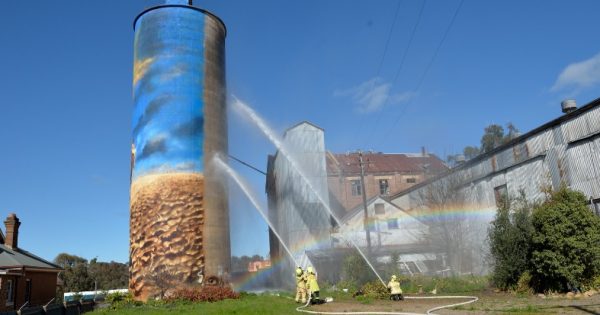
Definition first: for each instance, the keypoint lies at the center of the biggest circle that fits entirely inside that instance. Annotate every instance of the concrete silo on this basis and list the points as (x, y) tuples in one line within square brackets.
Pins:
[(179, 225)]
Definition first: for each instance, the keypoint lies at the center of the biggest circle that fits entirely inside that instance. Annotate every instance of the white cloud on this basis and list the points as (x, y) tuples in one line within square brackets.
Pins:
[(579, 75), (372, 95)]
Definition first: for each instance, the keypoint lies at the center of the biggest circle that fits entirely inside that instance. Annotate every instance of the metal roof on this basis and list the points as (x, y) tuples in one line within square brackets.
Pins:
[(13, 258), (555, 122), (384, 163)]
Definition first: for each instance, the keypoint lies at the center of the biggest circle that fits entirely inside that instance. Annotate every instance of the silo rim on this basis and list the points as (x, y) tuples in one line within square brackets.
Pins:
[(180, 6)]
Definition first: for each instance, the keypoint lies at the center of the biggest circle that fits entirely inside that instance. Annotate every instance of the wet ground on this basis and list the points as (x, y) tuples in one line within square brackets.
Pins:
[(489, 303)]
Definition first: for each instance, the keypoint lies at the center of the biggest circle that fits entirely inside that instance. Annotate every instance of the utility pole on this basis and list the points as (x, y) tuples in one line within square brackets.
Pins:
[(364, 197)]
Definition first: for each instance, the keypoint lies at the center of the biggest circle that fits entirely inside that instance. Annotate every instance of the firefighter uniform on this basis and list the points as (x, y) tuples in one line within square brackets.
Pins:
[(313, 286), (395, 290), (300, 285)]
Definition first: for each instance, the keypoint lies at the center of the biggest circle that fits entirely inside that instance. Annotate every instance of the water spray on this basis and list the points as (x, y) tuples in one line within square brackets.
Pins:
[(268, 132), (218, 162)]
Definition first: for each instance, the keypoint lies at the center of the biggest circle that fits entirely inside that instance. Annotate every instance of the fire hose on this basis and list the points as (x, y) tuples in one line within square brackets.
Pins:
[(429, 311)]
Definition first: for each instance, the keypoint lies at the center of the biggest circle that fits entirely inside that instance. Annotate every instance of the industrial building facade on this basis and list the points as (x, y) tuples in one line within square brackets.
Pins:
[(451, 207), (564, 151), (307, 181)]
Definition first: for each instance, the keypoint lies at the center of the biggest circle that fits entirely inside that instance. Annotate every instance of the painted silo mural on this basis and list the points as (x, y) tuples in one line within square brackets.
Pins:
[(179, 216)]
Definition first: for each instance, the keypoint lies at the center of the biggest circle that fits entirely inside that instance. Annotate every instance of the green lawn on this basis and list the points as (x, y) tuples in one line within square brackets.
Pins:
[(251, 304)]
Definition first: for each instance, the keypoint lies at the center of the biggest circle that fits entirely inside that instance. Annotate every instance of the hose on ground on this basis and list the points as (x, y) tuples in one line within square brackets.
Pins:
[(471, 299)]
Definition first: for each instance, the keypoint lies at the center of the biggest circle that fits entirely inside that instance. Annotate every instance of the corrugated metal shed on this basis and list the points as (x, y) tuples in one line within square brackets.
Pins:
[(563, 151)]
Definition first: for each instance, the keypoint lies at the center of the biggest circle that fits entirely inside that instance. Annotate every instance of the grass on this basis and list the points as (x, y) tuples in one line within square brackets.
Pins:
[(445, 285), (248, 304)]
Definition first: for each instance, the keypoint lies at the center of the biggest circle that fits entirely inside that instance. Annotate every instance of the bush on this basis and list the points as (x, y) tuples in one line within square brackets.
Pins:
[(347, 284), (510, 240), (596, 283), (119, 300), (203, 294), (355, 269), (524, 283), (565, 244), (376, 290)]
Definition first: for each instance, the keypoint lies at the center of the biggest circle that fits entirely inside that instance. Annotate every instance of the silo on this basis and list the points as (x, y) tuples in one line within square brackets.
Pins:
[(179, 217)]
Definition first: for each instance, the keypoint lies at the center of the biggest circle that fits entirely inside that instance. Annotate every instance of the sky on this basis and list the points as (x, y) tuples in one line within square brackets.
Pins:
[(355, 68)]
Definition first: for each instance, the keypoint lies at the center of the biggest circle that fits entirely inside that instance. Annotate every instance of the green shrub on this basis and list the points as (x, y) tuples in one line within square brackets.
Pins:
[(356, 269), (524, 283), (347, 284), (566, 242), (120, 300), (596, 282), (510, 241), (376, 290)]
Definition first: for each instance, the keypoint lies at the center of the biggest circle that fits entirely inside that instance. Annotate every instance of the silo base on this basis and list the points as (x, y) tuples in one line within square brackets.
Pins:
[(167, 215)]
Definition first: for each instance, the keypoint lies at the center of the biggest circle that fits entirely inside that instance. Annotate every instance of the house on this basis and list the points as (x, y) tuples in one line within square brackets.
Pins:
[(385, 174), (389, 226), (24, 277)]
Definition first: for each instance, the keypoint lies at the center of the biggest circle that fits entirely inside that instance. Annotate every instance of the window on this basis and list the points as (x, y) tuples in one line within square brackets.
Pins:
[(411, 180), (379, 208), (356, 188), (384, 187), (392, 224), (10, 298), (500, 192)]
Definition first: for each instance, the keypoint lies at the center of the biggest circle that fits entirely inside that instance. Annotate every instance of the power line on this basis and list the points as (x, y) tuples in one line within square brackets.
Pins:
[(245, 164), (404, 54), (437, 50), (385, 49)]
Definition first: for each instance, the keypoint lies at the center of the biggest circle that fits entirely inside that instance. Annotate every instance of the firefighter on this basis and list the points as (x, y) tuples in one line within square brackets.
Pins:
[(394, 289), (313, 287), (300, 285)]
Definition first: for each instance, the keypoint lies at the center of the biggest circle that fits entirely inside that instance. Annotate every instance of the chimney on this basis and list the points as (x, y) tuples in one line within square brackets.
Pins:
[(12, 224), (568, 106), (423, 152)]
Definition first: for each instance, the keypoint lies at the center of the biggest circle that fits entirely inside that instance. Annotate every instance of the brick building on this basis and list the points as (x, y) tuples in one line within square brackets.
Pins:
[(24, 277), (385, 174), (257, 265)]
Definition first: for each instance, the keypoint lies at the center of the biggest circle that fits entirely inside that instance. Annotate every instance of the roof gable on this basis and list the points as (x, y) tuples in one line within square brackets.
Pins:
[(21, 258)]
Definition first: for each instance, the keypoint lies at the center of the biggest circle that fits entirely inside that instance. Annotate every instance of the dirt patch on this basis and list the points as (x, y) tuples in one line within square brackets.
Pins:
[(489, 303)]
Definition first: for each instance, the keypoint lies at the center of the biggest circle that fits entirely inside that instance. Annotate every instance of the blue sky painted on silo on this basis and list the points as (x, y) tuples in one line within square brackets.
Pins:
[(168, 122)]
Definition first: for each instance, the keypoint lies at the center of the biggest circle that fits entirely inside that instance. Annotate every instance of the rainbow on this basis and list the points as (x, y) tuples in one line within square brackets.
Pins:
[(473, 213)]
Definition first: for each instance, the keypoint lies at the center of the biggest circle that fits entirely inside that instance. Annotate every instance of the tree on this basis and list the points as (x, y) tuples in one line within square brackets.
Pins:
[(109, 275), (162, 280), (79, 275), (493, 137), (510, 237), (513, 132), (75, 275), (454, 233), (565, 243), (67, 260), (471, 152)]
